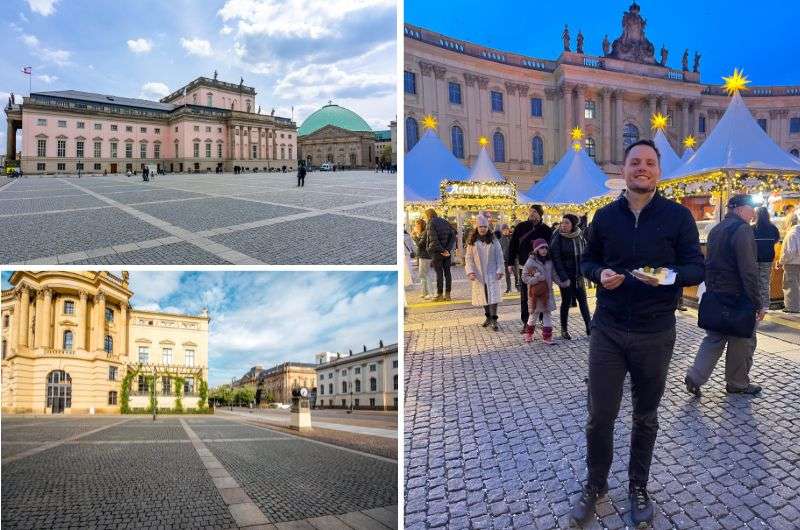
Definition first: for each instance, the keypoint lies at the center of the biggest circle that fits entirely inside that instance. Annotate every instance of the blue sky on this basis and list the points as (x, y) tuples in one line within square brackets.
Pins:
[(760, 37), (297, 53), (266, 318)]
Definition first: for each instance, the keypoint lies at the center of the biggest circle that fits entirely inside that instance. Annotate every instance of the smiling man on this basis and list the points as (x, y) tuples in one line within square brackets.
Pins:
[(633, 328)]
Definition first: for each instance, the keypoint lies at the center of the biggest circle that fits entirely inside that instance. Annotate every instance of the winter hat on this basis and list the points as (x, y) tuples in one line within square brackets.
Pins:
[(539, 243), (504, 226), (481, 220)]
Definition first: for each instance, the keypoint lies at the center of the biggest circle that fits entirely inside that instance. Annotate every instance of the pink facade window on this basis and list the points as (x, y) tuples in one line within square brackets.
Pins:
[(98, 126), (80, 125), (113, 127), (128, 128), (62, 123), (41, 147), (157, 130), (97, 147), (209, 99), (197, 150), (208, 129), (157, 151), (128, 150), (41, 121), (219, 150), (113, 149), (79, 149), (143, 150), (176, 148), (208, 150)]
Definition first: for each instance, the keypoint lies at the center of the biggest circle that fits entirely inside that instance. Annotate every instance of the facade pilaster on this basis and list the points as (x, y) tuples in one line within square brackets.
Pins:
[(100, 319), (81, 317), (23, 318), (565, 92), (122, 348), (38, 337), (684, 106), (440, 92), (651, 109), (580, 90), (619, 102)]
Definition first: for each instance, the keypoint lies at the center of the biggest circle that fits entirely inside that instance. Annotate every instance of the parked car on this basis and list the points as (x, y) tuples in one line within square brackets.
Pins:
[(327, 166)]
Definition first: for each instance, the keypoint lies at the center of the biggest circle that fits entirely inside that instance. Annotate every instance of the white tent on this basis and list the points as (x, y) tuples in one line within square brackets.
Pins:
[(669, 160), (686, 154), (573, 180), (426, 165), (484, 170)]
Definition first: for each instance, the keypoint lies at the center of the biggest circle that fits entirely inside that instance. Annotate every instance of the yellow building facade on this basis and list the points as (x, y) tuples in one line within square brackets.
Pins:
[(69, 338)]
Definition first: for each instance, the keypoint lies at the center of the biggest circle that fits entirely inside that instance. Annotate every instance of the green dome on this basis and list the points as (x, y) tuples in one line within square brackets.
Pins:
[(334, 115)]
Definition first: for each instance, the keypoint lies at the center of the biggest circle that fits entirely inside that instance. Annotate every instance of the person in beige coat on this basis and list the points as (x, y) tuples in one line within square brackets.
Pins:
[(790, 263), (484, 265)]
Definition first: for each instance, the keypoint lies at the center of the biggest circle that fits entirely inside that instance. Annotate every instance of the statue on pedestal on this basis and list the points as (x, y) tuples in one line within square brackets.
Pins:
[(565, 38), (696, 62), (579, 45), (215, 75), (664, 54), (606, 45), (685, 60), (632, 45)]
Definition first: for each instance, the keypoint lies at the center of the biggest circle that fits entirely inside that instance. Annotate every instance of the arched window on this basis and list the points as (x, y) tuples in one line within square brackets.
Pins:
[(537, 147), (59, 391), (795, 152), (68, 340), (590, 147), (499, 145), (412, 133), (373, 384), (457, 141), (344, 387), (630, 135), (358, 385), (109, 344)]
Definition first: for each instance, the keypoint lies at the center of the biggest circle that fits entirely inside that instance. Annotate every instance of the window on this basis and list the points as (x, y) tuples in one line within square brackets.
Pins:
[(358, 385), (344, 403), (330, 388), (61, 151), (129, 128), (394, 364), (41, 147), (113, 149), (412, 133), (457, 141), (61, 166), (589, 109), (208, 150), (209, 99), (112, 373), (98, 126), (344, 387), (322, 389), (109, 315), (357, 370), (97, 167), (701, 125), (497, 101), (344, 372), (536, 107), (176, 128), (189, 357), (208, 129), (156, 151), (142, 129), (219, 130), (537, 148), (112, 397), (290, 152), (762, 122), (454, 90), (630, 135), (108, 344), (41, 121), (590, 148), (410, 82), (69, 307), (330, 375), (128, 150), (166, 355), (372, 368), (499, 145), (143, 386), (395, 381), (157, 130), (371, 402), (67, 341), (40, 166), (794, 125), (176, 148), (97, 148), (144, 354), (62, 123), (373, 384), (219, 150), (143, 150), (197, 128), (197, 150), (113, 127), (79, 149), (166, 385), (79, 166), (80, 125)]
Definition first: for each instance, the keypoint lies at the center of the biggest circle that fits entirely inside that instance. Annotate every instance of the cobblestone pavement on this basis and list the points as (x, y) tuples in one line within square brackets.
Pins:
[(494, 431), (129, 472), (346, 217)]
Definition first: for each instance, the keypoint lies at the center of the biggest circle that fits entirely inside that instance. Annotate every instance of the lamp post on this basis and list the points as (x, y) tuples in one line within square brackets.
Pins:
[(155, 401), (231, 403)]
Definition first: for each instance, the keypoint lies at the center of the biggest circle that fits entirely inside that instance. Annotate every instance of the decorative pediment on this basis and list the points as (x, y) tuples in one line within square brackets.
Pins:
[(97, 139), (143, 341), (115, 139), (219, 141), (142, 141), (80, 139), (68, 323), (167, 343), (41, 136), (329, 131), (190, 344), (208, 140), (128, 140), (196, 139), (61, 137), (156, 141)]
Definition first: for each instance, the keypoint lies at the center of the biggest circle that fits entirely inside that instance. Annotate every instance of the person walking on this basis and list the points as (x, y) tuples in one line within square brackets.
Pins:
[(505, 241), (519, 248), (301, 174), (441, 243), (766, 235), (538, 275), (790, 263), (484, 264), (732, 277), (419, 235), (633, 327), (566, 249)]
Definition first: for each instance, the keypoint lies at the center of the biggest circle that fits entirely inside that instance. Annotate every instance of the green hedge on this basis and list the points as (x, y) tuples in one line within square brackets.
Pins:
[(141, 410)]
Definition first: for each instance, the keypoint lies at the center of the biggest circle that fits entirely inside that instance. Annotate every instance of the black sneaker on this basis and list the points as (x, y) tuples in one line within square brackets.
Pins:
[(641, 505), (565, 335), (692, 387), (447, 297), (439, 298), (751, 390), (487, 322), (583, 509), (494, 324)]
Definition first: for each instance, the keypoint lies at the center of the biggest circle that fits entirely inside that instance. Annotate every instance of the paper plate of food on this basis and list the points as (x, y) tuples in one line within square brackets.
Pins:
[(664, 275)]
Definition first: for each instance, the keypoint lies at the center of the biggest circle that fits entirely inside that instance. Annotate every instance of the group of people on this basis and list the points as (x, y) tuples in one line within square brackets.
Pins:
[(633, 329)]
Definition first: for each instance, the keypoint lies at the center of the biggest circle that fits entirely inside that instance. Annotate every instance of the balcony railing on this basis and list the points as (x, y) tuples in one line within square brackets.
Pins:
[(55, 351)]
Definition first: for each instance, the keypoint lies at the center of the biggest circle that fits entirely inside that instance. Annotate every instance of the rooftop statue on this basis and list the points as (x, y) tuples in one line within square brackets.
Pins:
[(632, 45), (565, 38), (685, 60), (664, 55), (579, 46), (606, 45), (696, 62)]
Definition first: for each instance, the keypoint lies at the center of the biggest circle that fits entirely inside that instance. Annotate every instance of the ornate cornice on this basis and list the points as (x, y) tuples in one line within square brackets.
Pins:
[(483, 82), (439, 71), (100, 296), (83, 295), (511, 88), (425, 68), (550, 93)]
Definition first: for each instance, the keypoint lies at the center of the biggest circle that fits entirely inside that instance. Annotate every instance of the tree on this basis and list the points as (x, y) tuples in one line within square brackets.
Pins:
[(244, 395)]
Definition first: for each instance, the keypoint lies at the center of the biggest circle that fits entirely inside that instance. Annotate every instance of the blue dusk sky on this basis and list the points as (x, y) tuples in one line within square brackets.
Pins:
[(298, 53), (266, 318), (760, 37)]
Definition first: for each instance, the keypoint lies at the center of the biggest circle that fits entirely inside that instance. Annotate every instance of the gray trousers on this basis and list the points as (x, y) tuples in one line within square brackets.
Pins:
[(791, 287), (764, 269), (738, 359)]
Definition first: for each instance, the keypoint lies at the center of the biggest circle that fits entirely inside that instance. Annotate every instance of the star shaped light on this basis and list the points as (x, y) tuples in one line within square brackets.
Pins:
[(658, 121), (483, 141), (429, 122), (735, 82), (689, 142), (576, 146), (576, 133)]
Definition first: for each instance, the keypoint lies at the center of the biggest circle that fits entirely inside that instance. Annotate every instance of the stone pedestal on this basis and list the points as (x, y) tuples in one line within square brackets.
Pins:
[(301, 414)]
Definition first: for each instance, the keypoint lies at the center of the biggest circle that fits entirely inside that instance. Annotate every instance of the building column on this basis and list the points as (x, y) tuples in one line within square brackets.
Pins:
[(605, 94), (663, 106), (565, 91), (581, 107), (11, 141), (693, 108), (651, 108), (38, 332), (47, 307), (100, 318), (51, 319), (122, 349), (13, 342), (23, 318), (440, 88), (80, 333), (684, 105), (617, 130), (471, 132)]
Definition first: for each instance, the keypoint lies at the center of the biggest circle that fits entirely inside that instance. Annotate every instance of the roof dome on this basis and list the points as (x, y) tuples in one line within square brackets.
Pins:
[(334, 115)]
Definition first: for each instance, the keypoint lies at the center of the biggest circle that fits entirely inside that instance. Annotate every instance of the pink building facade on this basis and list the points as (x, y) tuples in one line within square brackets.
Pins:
[(205, 126)]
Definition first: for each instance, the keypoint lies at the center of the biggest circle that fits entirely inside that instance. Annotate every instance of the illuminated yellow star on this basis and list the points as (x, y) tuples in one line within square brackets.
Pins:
[(576, 146), (576, 133), (689, 142), (483, 141), (736, 82), (658, 121), (429, 122)]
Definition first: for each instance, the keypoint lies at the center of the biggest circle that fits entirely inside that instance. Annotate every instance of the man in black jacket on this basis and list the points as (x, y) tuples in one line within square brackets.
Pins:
[(731, 268), (441, 242), (633, 328), (519, 247)]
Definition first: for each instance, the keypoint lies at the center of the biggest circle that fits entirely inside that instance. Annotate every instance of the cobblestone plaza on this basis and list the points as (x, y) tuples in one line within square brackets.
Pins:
[(343, 217), (193, 472), (494, 430)]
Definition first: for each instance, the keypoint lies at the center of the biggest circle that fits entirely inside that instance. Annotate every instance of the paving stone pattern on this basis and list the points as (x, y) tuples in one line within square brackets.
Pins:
[(61, 221), (494, 434)]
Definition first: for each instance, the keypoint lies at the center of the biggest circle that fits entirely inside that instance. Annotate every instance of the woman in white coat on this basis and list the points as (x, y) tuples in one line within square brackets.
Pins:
[(484, 267)]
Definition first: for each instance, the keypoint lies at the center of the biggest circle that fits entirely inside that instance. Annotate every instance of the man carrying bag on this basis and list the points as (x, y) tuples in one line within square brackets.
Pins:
[(731, 304)]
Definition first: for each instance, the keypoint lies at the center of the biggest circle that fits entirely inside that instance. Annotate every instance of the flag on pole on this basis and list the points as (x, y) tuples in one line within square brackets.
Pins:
[(26, 70)]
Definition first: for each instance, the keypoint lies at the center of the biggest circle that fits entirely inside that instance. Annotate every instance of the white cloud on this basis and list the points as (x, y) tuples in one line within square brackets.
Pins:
[(22, 17), (43, 7), (197, 46), (315, 81), (154, 90), (30, 40), (151, 287), (140, 45), (47, 78), (59, 57), (226, 30)]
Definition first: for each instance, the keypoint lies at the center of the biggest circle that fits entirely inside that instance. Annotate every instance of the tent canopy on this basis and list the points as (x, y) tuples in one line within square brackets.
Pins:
[(737, 143), (574, 180), (426, 165), (669, 159), (483, 170), (686, 154)]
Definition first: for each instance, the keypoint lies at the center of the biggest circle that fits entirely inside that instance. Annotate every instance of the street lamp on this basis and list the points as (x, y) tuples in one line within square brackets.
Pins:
[(231, 402)]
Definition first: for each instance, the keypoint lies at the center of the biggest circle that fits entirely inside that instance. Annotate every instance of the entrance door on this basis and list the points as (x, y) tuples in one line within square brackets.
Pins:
[(59, 391), (113, 168), (180, 167)]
